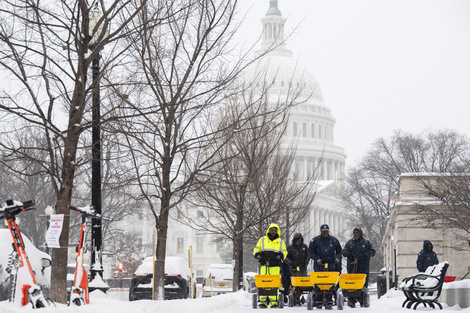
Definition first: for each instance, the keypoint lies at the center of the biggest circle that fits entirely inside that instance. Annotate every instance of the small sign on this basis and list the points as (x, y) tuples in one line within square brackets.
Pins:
[(54, 230)]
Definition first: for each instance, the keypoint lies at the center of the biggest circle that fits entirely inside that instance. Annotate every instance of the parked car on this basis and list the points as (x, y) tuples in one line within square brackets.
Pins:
[(177, 280), (40, 262), (218, 280)]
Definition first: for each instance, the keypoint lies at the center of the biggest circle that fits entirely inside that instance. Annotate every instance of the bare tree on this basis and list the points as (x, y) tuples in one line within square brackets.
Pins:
[(183, 70), (371, 184), (252, 184), (25, 180), (120, 202), (46, 52)]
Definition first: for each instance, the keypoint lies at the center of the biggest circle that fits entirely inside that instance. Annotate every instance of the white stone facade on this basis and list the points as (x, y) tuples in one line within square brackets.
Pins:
[(405, 233)]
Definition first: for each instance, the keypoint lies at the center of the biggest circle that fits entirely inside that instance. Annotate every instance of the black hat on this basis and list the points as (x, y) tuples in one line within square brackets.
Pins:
[(324, 227)]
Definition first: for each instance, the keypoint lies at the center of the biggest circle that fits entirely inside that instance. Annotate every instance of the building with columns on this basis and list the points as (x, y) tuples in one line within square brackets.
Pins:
[(310, 125)]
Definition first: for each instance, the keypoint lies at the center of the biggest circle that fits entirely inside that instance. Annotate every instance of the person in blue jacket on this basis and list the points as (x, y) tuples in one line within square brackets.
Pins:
[(426, 257), (358, 249), (325, 249)]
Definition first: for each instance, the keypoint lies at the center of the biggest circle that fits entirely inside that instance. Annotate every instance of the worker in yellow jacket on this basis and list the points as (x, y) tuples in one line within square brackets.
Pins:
[(270, 251)]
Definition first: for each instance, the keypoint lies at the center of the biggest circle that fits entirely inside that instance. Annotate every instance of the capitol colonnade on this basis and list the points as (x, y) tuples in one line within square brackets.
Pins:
[(328, 169)]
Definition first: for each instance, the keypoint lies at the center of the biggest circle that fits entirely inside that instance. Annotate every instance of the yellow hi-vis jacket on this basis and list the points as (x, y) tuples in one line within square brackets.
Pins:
[(266, 244)]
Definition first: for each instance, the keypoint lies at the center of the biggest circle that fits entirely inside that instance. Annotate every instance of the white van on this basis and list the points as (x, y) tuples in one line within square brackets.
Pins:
[(218, 280)]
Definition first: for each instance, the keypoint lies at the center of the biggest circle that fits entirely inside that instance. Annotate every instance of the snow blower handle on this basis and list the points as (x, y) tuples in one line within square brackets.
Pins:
[(355, 261)]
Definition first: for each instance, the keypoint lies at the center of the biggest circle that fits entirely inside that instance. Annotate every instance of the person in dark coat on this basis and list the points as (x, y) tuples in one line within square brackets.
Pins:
[(297, 256), (361, 249), (297, 260), (426, 257), (325, 249)]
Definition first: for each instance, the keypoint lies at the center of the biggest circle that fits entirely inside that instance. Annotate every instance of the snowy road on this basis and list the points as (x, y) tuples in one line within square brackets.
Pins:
[(116, 302)]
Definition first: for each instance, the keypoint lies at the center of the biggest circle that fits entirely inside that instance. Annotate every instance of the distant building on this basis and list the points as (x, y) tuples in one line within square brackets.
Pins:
[(406, 232)]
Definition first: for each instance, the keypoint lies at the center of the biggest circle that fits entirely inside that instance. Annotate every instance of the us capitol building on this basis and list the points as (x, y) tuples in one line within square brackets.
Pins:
[(310, 126)]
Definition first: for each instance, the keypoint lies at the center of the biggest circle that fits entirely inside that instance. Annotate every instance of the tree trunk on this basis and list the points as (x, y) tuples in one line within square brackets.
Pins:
[(162, 233), (58, 291)]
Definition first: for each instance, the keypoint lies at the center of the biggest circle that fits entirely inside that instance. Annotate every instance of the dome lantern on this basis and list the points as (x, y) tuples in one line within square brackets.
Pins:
[(273, 9)]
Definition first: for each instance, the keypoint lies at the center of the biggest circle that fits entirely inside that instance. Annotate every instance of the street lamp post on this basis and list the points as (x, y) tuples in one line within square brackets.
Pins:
[(288, 207), (240, 230), (96, 256), (96, 171), (242, 183)]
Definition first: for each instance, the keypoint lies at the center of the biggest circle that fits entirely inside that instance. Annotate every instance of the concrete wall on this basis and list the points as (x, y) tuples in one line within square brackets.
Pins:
[(457, 292), (453, 296)]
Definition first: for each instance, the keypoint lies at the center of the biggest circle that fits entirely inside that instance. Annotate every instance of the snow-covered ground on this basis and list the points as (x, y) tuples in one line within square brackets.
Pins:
[(116, 302)]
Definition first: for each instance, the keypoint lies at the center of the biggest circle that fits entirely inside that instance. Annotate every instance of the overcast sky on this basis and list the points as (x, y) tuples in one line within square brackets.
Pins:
[(382, 65)]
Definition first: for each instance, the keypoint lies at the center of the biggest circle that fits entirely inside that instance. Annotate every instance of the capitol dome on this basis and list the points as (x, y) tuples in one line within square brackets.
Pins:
[(311, 124)]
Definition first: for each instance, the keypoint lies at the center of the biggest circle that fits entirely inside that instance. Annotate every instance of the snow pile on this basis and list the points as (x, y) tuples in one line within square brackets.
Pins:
[(174, 266), (97, 282), (460, 284)]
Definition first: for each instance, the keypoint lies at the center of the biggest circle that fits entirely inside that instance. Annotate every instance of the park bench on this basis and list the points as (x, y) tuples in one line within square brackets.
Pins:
[(424, 287)]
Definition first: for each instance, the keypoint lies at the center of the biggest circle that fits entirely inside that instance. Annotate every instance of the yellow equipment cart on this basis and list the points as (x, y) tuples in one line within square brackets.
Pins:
[(352, 285), (300, 286), (269, 286), (326, 283)]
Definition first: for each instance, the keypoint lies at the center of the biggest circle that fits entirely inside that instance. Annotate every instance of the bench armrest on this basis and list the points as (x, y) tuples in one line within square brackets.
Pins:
[(424, 281)]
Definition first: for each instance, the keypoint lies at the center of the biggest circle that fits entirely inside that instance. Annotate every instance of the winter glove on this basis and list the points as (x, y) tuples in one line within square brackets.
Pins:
[(336, 261), (368, 253), (281, 255), (349, 255), (319, 262), (257, 255)]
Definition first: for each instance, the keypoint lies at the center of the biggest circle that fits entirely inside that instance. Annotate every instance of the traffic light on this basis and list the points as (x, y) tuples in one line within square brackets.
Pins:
[(120, 267)]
